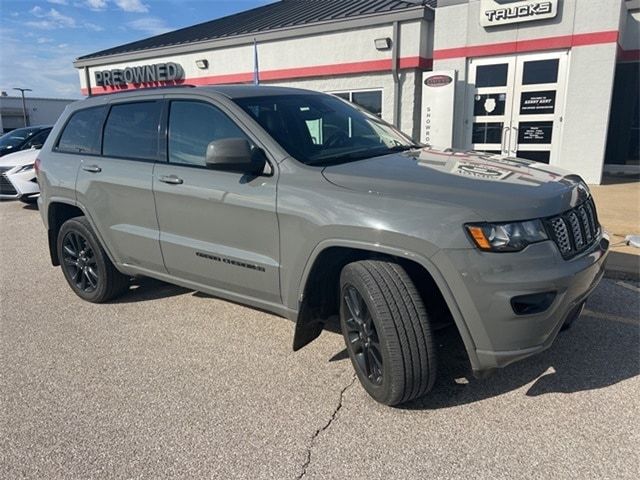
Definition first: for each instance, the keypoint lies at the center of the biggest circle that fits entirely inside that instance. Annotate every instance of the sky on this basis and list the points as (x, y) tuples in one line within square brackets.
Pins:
[(40, 39)]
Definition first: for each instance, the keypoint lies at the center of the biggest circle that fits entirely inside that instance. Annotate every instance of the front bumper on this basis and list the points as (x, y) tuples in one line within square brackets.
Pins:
[(483, 285), (17, 185)]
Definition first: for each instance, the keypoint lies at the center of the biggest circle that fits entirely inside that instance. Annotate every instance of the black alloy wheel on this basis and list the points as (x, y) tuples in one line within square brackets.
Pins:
[(387, 331), (363, 340), (80, 262), (86, 265)]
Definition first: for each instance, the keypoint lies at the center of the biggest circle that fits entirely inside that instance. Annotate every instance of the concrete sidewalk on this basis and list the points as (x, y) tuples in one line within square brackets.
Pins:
[(618, 203)]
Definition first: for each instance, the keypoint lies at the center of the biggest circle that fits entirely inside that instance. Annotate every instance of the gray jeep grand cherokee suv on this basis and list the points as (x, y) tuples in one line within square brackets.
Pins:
[(298, 203)]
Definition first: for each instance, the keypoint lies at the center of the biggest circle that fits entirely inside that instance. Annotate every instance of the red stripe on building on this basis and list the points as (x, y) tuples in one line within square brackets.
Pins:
[(370, 66), (549, 43)]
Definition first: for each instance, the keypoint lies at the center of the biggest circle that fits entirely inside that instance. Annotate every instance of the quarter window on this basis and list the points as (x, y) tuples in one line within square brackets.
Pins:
[(82, 132), (131, 131), (192, 126)]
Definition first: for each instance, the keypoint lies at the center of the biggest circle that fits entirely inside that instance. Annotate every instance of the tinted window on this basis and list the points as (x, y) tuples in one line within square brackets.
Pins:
[(487, 132), (82, 132), (131, 131), (542, 157), (540, 71), (192, 126), (370, 101), (489, 104), (492, 75), (37, 139), (322, 129)]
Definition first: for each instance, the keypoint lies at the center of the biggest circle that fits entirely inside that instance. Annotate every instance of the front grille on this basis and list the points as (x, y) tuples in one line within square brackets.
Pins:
[(6, 187), (575, 230)]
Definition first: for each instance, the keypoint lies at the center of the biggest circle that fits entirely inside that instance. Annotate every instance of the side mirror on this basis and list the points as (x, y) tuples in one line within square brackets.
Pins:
[(37, 146), (234, 155)]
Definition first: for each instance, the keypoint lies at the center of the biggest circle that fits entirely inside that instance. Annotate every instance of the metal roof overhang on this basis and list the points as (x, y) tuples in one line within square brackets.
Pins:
[(419, 13)]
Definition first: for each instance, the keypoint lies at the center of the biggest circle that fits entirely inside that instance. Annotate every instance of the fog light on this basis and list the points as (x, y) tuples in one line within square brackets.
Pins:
[(534, 303)]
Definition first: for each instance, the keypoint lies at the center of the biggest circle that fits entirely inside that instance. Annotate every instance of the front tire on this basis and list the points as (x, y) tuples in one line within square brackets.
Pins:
[(85, 264), (386, 331)]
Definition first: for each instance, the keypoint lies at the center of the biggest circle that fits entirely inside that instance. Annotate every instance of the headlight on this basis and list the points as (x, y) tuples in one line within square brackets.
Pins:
[(24, 168), (506, 237)]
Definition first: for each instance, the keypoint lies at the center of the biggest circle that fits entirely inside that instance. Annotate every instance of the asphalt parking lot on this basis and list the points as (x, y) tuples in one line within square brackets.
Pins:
[(168, 382)]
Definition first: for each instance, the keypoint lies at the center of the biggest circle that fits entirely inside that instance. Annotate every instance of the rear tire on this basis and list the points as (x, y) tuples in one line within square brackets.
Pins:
[(386, 331), (85, 264)]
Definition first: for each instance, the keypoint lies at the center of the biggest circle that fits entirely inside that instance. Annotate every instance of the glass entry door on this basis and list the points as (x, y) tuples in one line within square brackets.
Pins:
[(516, 104)]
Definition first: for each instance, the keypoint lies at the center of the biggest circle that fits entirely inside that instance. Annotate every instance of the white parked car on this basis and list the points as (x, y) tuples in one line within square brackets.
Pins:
[(18, 177)]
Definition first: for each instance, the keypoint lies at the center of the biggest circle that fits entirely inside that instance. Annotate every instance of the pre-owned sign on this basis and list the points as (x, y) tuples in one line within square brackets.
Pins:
[(159, 72), (501, 12)]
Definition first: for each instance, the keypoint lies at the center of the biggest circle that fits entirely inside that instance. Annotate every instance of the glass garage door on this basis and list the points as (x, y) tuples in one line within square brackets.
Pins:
[(516, 104)]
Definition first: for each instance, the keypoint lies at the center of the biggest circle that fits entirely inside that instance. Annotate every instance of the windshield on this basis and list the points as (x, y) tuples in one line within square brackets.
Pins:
[(323, 129), (15, 138)]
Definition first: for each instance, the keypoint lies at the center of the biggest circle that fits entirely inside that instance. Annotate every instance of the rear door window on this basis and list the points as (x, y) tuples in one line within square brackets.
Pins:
[(131, 131), (82, 132)]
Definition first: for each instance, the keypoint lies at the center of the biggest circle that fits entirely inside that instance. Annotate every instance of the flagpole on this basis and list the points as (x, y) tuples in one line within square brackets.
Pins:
[(256, 70)]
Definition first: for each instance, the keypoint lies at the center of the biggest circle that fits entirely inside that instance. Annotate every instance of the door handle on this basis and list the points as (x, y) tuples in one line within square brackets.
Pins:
[(504, 138), (91, 168), (171, 179), (515, 150)]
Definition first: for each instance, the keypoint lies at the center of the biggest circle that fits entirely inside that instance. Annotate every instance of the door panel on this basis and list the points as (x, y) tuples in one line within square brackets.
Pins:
[(217, 228), (491, 103), (119, 200), (117, 191), (516, 104), (537, 114)]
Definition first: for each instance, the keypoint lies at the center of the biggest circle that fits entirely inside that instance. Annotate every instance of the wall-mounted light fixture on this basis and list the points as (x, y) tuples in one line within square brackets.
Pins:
[(382, 43), (202, 64)]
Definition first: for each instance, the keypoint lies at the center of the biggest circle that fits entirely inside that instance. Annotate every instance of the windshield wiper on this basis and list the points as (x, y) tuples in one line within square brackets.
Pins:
[(362, 154), (403, 148)]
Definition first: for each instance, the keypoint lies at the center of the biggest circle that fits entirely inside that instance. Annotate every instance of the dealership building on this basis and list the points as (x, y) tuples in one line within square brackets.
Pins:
[(555, 81)]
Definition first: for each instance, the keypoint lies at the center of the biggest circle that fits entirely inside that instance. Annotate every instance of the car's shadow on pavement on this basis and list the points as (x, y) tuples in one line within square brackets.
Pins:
[(145, 289), (600, 350), (595, 353)]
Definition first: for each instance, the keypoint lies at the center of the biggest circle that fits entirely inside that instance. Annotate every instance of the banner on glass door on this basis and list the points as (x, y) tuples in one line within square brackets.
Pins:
[(538, 103), (502, 12), (535, 132), (438, 95)]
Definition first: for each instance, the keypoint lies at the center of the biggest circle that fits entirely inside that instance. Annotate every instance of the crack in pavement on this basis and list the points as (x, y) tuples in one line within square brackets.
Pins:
[(305, 465)]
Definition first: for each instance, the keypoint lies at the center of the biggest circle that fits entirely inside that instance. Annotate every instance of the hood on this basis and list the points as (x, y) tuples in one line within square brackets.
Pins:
[(496, 188), (18, 159)]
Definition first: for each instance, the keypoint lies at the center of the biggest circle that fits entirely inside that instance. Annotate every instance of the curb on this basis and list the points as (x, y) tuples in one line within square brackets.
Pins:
[(621, 275), (622, 266)]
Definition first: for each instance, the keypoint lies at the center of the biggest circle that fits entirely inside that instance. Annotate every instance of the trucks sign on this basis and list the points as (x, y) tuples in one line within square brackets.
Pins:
[(502, 12)]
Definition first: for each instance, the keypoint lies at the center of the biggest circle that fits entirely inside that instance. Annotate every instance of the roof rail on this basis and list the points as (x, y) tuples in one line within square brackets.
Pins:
[(160, 87)]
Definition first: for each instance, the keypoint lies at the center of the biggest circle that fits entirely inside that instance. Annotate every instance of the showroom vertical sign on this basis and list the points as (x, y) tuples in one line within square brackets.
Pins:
[(438, 96)]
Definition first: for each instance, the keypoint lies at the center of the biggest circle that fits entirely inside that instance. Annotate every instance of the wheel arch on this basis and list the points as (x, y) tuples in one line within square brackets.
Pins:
[(326, 262), (58, 212)]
